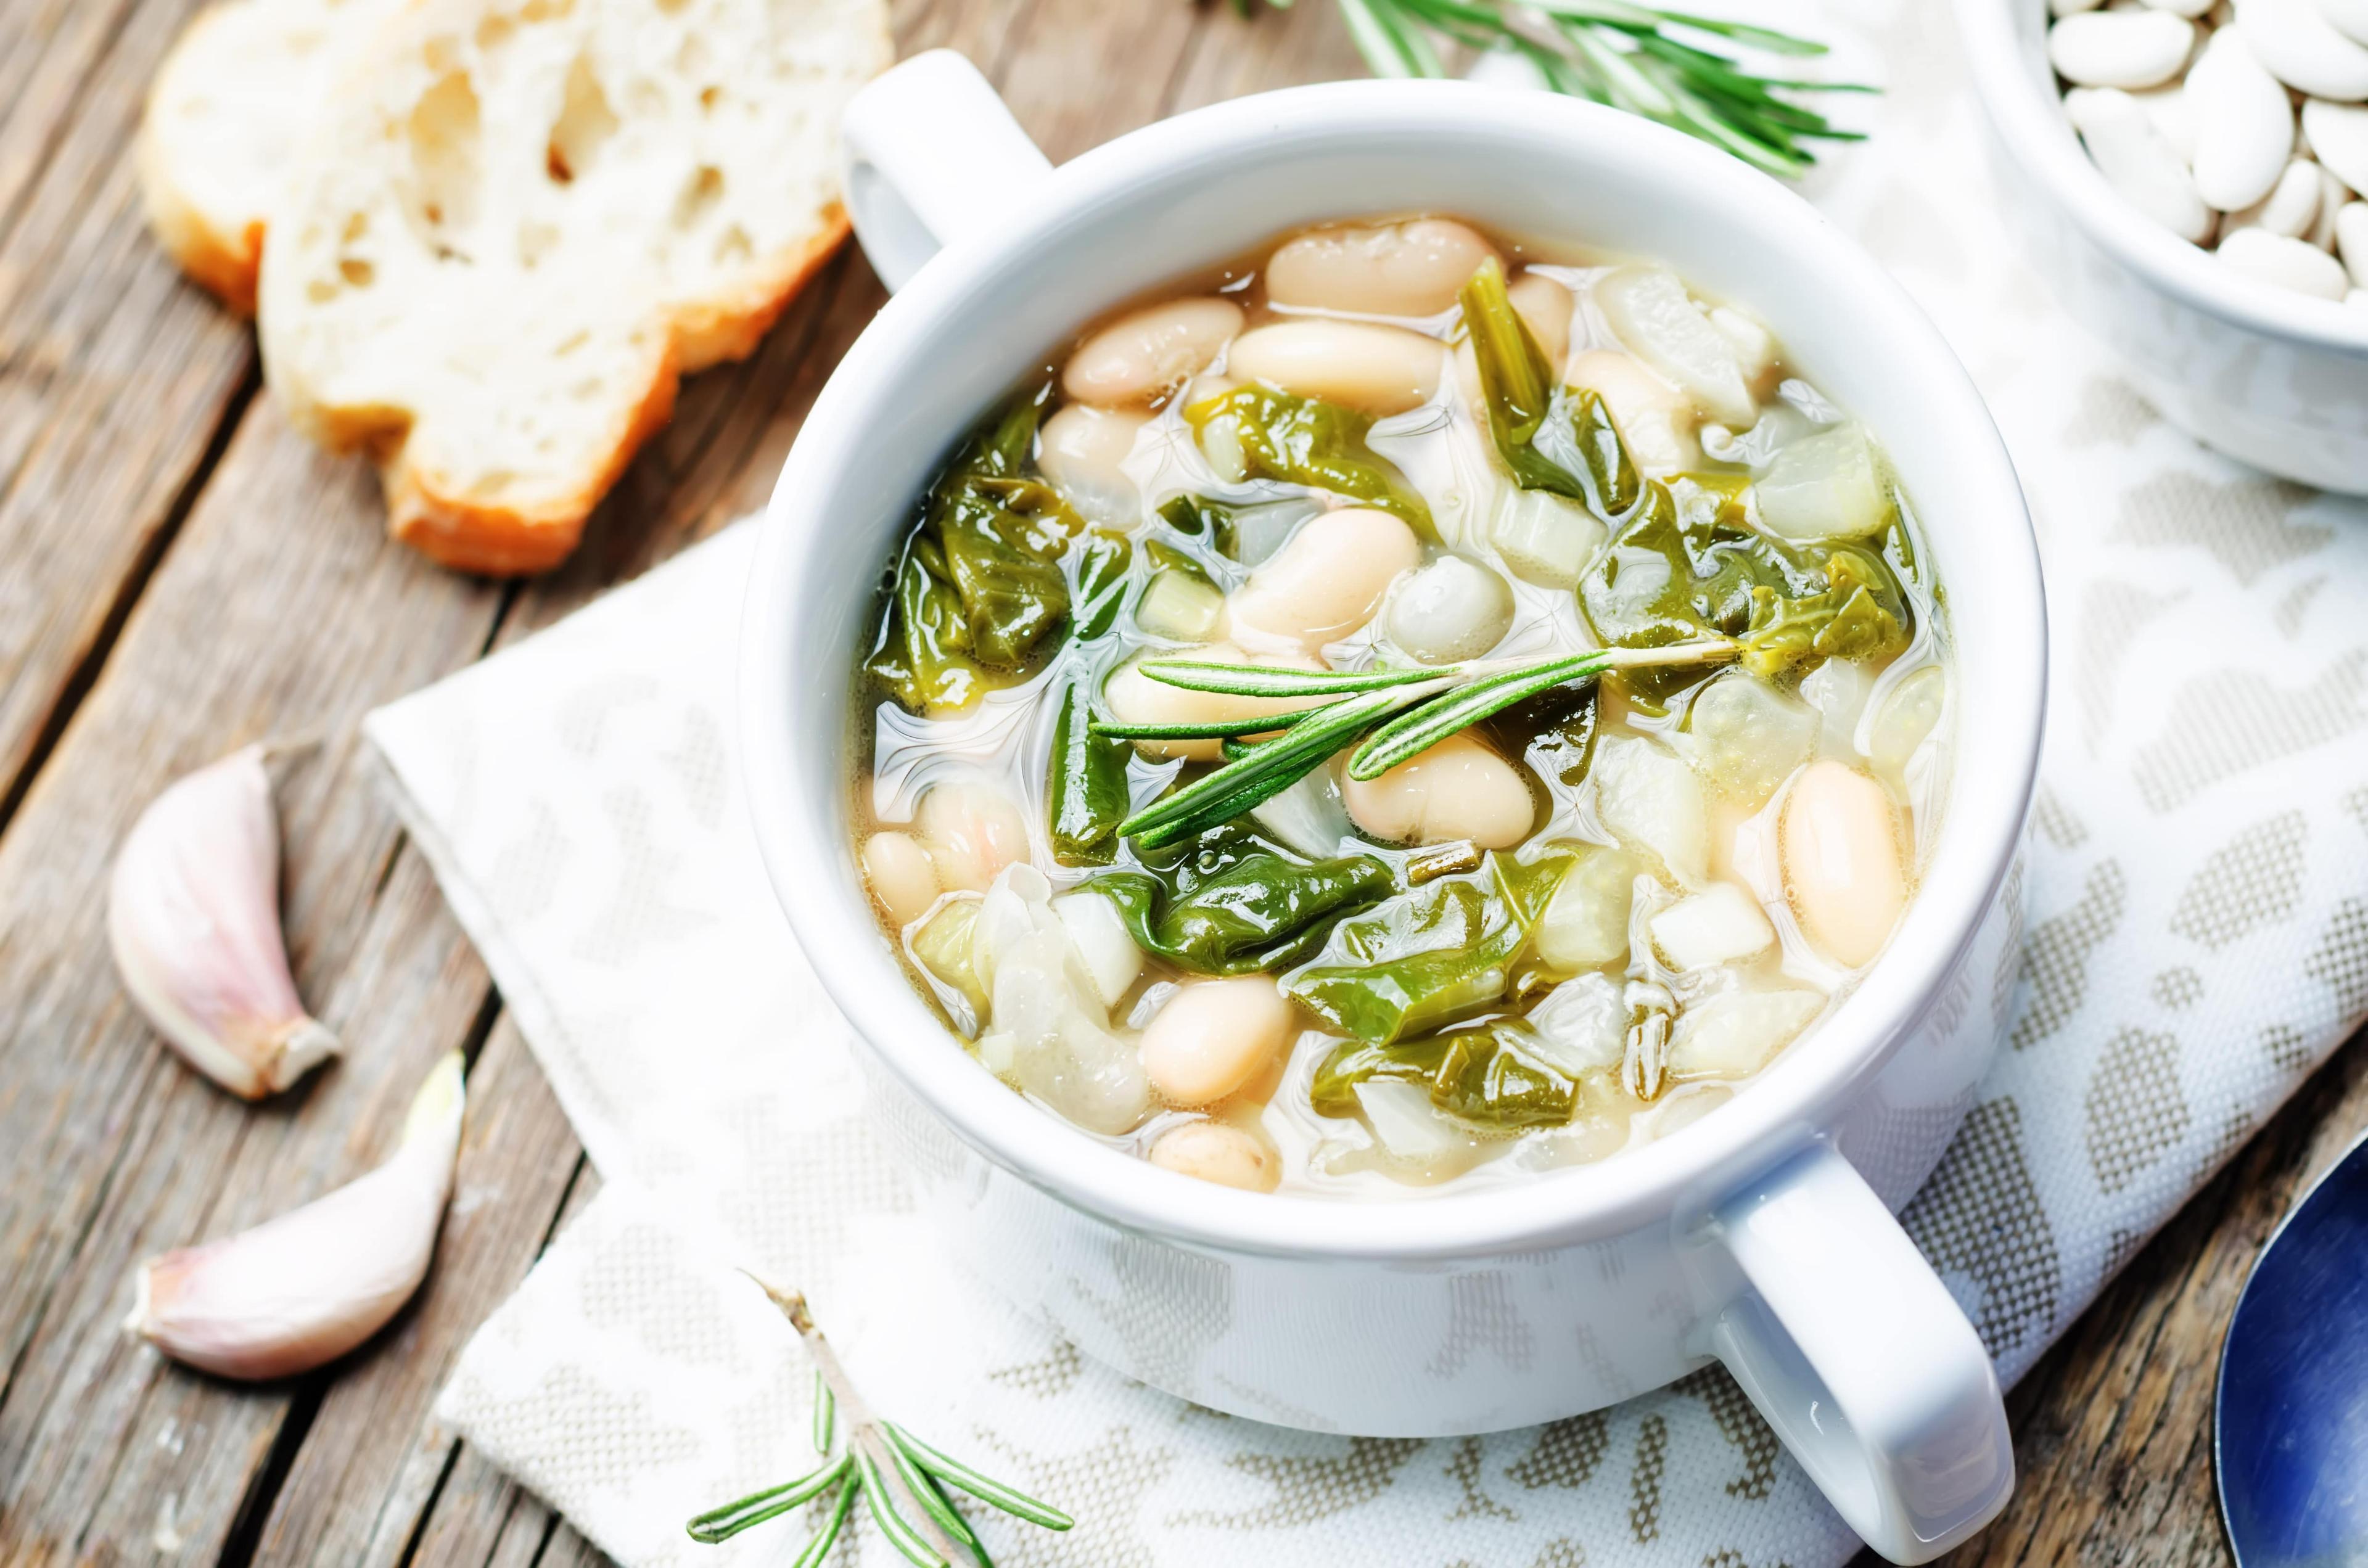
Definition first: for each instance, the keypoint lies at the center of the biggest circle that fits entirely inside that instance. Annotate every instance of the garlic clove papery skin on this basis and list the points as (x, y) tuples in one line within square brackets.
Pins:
[(193, 917), (301, 1290)]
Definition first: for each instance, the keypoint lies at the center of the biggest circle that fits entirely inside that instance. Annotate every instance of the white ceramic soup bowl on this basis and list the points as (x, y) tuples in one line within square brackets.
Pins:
[(1760, 1237), (2269, 377)]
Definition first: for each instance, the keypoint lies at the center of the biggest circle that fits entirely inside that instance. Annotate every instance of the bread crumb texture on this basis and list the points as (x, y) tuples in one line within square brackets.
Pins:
[(510, 228)]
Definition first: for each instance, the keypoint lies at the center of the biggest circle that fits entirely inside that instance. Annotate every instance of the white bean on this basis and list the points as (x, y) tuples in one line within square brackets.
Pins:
[(2351, 239), (2244, 124), (2349, 18), (1135, 697), (2284, 263), (2300, 48), (1378, 369), (1212, 1037), (1325, 583), (2188, 8), (2289, 210), (1214, 1152), (1545, 307), (2338, 135), (2138, 163), (2120, 49), (1082, 449), (1841, 860), (1457, 790), (971, 832), (1450, 609), (1145, 352), (901, 876), (1655, 421), (2171, 110), (2333, 197), (1412, 268)]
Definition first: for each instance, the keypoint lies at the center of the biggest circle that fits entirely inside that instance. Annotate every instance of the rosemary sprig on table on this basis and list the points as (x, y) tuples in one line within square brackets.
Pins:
[(1665, 65), (885, 1463), (1393, 714)]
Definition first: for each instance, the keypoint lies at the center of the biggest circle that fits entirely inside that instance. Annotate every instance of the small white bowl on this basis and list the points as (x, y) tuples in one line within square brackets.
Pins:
[(2275, 378)]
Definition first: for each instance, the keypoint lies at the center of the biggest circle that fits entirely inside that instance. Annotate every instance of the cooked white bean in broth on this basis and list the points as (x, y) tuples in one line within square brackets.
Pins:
[(1408, 708)]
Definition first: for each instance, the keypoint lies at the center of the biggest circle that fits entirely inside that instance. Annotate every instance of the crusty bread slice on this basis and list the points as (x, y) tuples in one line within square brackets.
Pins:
[(516, 222), (227, 108)]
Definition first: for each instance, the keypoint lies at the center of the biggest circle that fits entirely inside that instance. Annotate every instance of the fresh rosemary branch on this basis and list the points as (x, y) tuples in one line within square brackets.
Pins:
[(892, 1469), (1393, 713), (1665, 65)]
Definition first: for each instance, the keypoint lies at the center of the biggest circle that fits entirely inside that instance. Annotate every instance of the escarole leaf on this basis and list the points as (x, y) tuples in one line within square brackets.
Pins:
[(1490, 1074), (1301, 440), (1232, 902), (981, 591), (1085, 785), (1690, 564), (1430, 957), (1549, 437)]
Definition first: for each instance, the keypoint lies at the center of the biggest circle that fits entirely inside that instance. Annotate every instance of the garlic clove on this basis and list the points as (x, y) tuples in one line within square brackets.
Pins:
[(303, 1288), (193, 917)]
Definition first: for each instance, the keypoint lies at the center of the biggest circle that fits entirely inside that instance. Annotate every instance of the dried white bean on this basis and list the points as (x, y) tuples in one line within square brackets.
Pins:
[(1842, 870), (2071, 7), (1380, 370), (1214, 1152), (2138, 161), (1545, 306), (901, 876), (2244, 123), (2289, 210), (1412, 268), (2120, 49), (2351, 239), (2333, 195), (2287, 264), (1212, 1037), (2300, 48), (1459, 789), (2338, 135), (1135, 697), (1450, 609), (1325, 583), (1144, 353), (2189, 8), (2349, 18), (971, 832), (1654, 420), (1082, 449), (2171, 110)]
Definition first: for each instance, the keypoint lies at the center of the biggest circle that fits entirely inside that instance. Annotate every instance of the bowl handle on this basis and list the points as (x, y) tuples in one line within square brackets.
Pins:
[(1858, 1357), (928, 153)]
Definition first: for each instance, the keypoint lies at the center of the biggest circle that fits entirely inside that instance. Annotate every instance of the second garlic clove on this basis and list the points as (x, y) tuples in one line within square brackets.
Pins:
[(193, 917), (301, 1290)]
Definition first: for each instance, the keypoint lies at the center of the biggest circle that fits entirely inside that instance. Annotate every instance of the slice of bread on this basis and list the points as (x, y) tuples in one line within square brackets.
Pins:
[(227, 108), (515, 224)]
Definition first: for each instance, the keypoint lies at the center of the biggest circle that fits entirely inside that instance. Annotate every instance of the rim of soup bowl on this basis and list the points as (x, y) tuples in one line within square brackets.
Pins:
[(2031, 124), (809, 854)]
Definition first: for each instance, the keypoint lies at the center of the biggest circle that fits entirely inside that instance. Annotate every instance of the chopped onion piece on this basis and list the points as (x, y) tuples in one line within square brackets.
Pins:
[(1180, 605), (1736, 1033), (1582, 1025), (1407, 1125), (1649, 310), (1719, 924), (1651, 801), (1099, 932), (1828, 486), (1585, 924), (1545, 538)]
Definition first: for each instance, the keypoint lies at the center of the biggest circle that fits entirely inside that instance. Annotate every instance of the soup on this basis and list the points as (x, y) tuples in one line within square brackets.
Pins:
[(1405, 708)]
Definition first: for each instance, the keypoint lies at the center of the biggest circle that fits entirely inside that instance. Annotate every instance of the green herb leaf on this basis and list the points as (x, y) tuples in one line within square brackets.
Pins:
[(826, 1413), (1417, 730), (1267, 680), (895, 1529), (1227, 793), (987, 1490), (721, 1524)]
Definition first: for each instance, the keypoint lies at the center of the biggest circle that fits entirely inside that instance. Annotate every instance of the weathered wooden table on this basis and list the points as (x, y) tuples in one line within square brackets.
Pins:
[(180, 573)]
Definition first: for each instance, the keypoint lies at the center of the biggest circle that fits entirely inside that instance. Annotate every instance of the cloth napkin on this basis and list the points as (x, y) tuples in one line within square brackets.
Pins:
[(2198, 943)]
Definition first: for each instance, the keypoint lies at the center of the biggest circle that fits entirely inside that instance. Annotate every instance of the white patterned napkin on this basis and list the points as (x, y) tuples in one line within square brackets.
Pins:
[(2199, 942)]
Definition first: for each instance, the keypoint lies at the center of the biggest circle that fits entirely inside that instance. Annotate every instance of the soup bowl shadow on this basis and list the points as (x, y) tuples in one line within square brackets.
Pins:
[(1759, 1236)]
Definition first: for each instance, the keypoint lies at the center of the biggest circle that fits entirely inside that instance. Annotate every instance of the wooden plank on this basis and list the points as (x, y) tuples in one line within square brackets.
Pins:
[(2114, 1428)]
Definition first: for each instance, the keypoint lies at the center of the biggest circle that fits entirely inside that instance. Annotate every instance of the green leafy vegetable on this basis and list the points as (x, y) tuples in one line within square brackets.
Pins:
[(1300, 440), (1099, 562), (1689, 565), (979, 591), (1232, 902), (1196, 517), (1085, 783), (1550, 436), (1489, 1075), (1428, 958)]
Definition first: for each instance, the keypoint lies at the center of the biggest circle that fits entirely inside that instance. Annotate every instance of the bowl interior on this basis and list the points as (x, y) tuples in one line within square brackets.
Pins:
[(1209, 184)]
